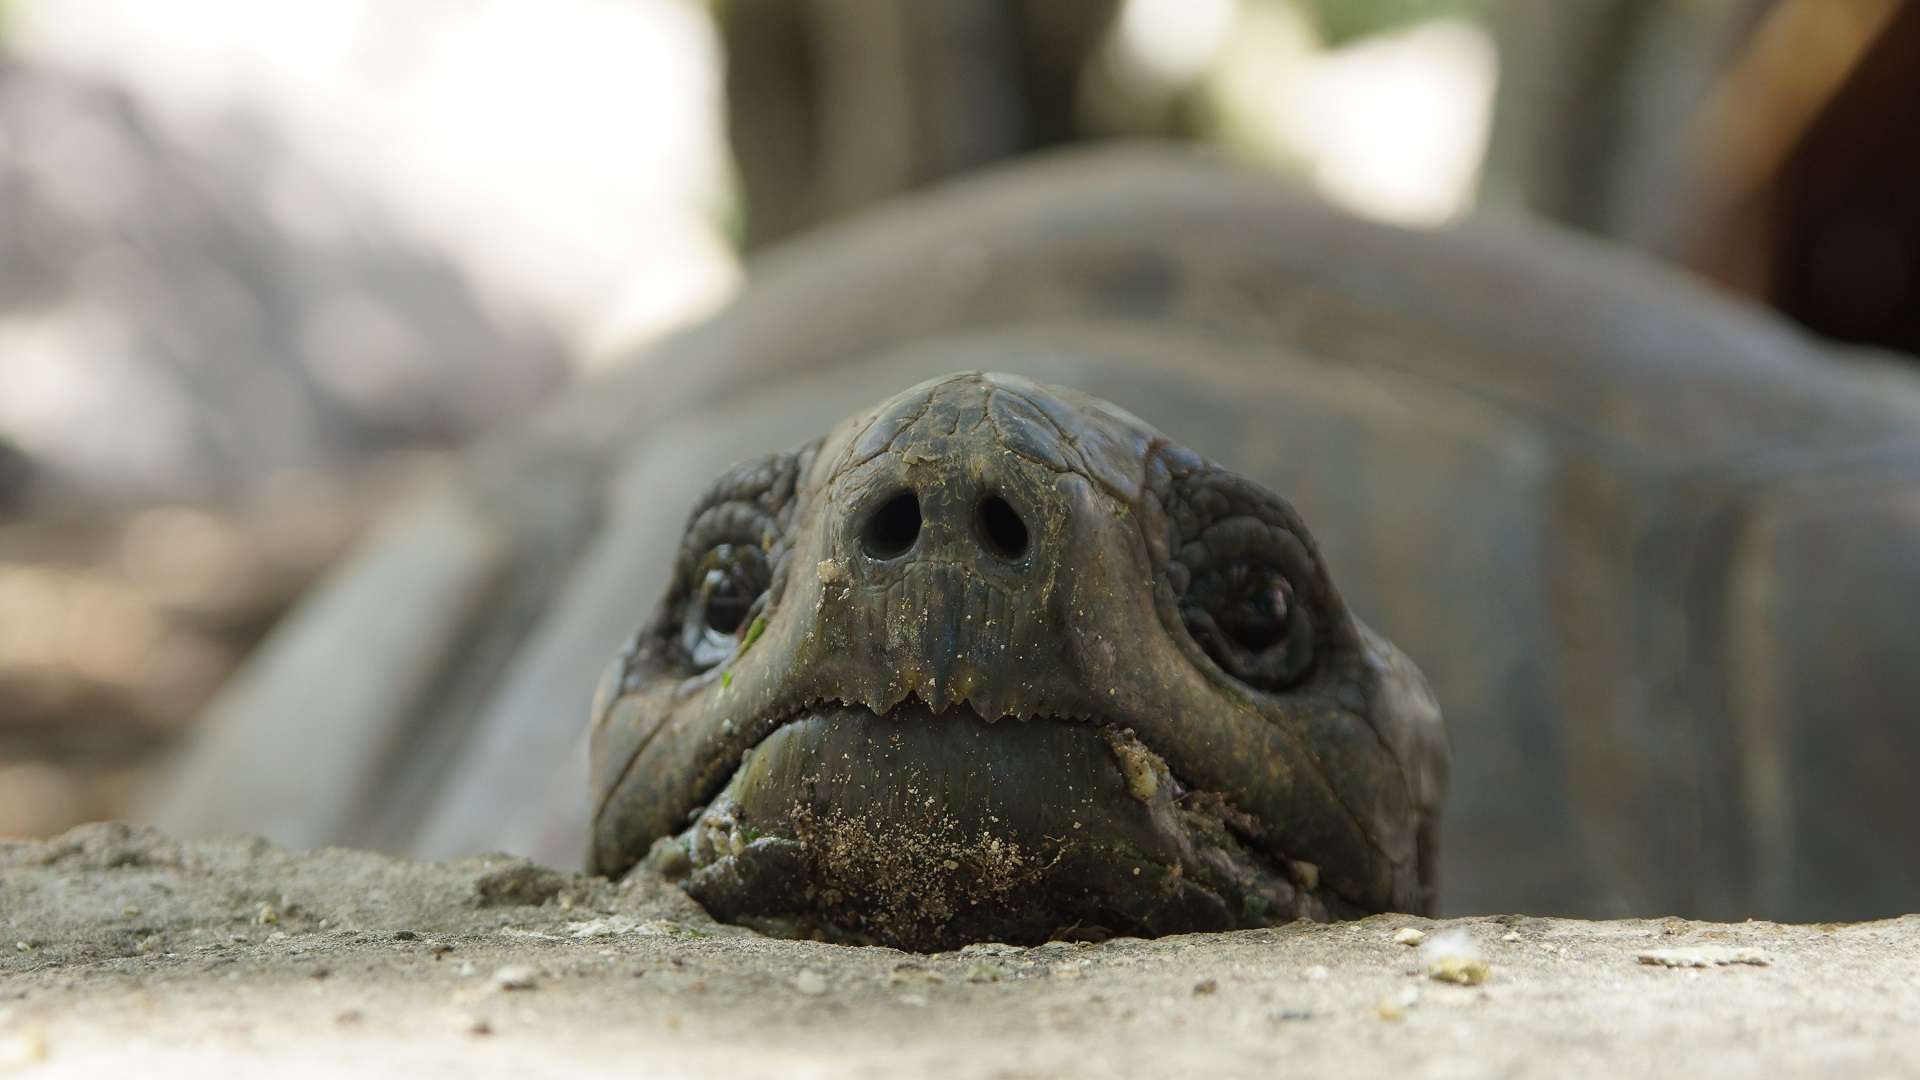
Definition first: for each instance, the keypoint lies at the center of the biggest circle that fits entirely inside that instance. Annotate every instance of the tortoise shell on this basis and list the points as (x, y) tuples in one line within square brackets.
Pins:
[(1657, 554)]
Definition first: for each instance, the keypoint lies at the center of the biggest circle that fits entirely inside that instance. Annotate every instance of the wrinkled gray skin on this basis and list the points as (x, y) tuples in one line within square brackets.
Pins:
[(949, 726)]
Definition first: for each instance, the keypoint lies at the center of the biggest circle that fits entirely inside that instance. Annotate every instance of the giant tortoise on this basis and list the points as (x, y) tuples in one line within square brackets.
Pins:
[(1657, 554), (995, 660)]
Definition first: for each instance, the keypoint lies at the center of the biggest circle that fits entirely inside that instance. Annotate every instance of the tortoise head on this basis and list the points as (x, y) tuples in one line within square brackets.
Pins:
[(996, 661)]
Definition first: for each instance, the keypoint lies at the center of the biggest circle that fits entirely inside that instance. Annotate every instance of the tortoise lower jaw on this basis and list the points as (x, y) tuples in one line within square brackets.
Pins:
[(925, 830)]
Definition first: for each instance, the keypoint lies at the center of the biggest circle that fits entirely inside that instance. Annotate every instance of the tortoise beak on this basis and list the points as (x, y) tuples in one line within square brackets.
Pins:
[(925, 829)]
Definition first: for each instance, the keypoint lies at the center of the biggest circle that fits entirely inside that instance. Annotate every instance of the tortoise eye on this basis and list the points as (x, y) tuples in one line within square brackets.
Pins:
[(733, 581), (1252, 605), (1248, 616), (724, 600)]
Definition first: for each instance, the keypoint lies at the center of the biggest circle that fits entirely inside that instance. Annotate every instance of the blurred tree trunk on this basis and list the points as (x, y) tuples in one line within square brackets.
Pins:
[(1595, 120), (1769, 144), (837, 104)]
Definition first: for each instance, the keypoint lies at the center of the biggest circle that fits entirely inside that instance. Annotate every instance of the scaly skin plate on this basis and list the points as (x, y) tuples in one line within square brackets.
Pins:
[(994, 660)]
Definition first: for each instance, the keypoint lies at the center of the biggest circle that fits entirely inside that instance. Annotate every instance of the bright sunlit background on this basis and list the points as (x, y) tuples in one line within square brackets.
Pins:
[(565, 157), (1391, 126), (263, 262)]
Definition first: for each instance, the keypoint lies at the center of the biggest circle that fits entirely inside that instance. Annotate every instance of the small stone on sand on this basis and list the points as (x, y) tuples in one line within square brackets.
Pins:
[(514, 977), (1453, 956), (1395, 1006), (466, 1023), (1467, 971), (1700, 956)]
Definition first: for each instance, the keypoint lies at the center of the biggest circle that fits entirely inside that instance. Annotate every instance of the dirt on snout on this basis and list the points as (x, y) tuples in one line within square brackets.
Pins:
[(125, 953)]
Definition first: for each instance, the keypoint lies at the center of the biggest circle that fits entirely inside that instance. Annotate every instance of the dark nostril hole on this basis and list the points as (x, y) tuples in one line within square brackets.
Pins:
[(894, 527), (1000, 524)]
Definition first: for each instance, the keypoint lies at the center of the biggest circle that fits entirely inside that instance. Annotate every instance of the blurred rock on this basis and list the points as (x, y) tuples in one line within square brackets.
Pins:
[(210, 356), (115, 628), (128, 953)]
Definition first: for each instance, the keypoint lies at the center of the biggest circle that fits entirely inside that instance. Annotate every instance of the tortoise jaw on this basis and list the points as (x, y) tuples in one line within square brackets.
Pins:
[(925, 830)]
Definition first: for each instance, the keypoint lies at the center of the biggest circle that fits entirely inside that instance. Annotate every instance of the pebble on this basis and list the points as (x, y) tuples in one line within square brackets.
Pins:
[(1408, 935), (1395, 1006), (810, 983), (1453, 956), (1465, 970), (1206, 986), (1317, 973), (982, 972), (514, 977), (466, 1023), (1701, 956), (910, 972)]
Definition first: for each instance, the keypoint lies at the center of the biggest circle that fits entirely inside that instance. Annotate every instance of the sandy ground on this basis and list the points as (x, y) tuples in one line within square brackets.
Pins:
[(125, 953)]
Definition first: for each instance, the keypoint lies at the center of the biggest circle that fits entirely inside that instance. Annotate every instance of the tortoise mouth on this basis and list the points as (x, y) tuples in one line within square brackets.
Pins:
[(927, 830)]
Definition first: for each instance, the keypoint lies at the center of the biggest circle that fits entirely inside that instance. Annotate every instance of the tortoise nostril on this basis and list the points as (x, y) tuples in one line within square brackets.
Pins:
[(894, 527), (1001, 527)]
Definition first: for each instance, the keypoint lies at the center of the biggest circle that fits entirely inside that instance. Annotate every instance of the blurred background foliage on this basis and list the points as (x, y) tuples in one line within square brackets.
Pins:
[(264, 262), (1339, 22)]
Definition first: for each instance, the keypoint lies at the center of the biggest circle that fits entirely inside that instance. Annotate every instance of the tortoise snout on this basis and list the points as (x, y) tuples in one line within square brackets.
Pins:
[(949, 521), (943, 576), (893, 529)]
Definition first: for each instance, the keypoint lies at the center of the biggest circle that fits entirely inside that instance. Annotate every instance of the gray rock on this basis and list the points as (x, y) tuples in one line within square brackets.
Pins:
[(128, 952)]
